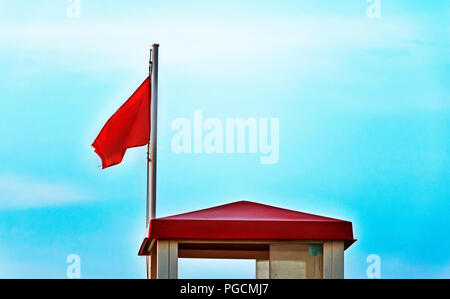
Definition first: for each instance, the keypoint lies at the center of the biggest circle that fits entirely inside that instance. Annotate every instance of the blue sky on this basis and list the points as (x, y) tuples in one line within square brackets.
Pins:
[(363, 104)]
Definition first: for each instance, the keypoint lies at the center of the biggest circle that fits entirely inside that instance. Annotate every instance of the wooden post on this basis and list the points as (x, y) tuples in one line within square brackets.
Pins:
[(262, 269), (152, 263), (333, 256), (167, 259)]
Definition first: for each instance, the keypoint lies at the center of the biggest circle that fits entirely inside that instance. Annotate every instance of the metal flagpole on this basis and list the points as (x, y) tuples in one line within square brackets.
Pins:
[(152, 145), (154, 129), (147, 212), (151, 204)]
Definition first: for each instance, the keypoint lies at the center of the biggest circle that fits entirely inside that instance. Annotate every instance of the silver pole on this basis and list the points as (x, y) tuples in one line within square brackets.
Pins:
[(152, 145), (147, 207), (154, 129)]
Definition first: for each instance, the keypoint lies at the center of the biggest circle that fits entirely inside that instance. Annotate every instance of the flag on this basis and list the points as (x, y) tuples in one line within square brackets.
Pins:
[(128, 127)]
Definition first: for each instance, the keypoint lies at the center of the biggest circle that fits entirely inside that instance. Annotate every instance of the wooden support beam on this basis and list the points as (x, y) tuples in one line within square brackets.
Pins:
[(223, 254), (262, 269), (333, 256), (167, 259)]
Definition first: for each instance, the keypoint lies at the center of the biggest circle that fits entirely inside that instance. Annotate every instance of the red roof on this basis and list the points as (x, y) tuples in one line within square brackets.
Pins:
[(246, 220)]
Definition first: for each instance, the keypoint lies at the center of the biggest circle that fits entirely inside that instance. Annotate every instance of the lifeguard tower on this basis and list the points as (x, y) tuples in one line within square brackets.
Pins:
[(284, 243)]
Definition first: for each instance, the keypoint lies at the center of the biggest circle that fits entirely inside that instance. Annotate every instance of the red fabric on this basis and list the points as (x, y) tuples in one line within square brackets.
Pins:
[(248, 220), (128, 127)]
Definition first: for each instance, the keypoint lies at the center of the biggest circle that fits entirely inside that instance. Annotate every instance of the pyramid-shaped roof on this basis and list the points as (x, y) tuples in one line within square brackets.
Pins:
[(246, 220), (247, 210)]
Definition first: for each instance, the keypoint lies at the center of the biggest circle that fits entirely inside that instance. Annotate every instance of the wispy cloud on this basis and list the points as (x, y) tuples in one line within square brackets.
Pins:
[(197, 42), (21, 192)]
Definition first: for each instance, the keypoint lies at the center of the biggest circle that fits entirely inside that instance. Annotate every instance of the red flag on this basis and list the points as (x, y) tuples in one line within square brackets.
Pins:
[(128, 127)]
